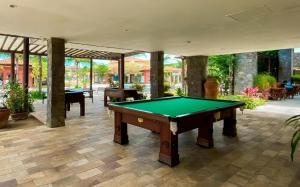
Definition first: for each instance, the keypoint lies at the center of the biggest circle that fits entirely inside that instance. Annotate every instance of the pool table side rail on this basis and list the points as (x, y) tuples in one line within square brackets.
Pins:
[(166, 118)]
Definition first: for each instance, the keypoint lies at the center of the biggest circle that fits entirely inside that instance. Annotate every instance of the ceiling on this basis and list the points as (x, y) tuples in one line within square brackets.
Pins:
[(37, 46), (189, 27)]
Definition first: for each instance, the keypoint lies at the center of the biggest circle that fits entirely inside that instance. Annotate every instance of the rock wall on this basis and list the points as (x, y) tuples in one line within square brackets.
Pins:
[(285, 57), (296, 61), (245, 71)]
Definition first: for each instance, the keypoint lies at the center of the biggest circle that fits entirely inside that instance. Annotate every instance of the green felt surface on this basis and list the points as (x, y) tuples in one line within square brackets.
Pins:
[(177, 106)]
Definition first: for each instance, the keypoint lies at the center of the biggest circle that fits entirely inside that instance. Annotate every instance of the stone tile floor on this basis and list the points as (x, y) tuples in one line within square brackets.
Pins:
[(83, 154)]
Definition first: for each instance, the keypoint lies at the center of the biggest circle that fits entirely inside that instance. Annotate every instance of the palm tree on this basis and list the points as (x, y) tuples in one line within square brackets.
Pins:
[(295, 123)]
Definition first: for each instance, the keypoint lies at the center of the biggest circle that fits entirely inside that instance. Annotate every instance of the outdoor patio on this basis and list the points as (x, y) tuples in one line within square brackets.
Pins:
[(83, 154)]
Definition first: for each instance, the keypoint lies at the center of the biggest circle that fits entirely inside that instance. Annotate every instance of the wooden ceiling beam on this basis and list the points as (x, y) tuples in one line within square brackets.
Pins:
[(74, 51), (42, 47), (12, 43), (4, 41), (19, 46), (36, 46)]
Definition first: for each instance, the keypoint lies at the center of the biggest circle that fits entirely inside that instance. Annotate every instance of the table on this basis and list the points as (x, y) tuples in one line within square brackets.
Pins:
[(85, 90), (171, 116), (72, 96), (120, 94), (89, 91)]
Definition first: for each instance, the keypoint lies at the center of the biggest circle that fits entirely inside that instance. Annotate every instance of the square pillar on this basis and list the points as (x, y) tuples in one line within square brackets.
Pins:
[(245, 71), (12, 68), (157, 74), (121, 71), (285, 70), (196, 75), (56, 83), (91, 75), (26, 72)]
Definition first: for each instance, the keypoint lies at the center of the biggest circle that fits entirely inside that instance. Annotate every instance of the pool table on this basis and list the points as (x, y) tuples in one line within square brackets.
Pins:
[(170, 116), (74, 96)]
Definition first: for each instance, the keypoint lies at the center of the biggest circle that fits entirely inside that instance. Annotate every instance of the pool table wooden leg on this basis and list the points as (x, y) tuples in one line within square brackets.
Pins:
[(205, 132), (82, 107), (68, 106), (229, 128), (168, 146), (121, 135)]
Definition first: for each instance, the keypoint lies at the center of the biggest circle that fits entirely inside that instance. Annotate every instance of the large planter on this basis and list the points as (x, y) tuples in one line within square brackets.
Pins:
[(19, 116), (4, 115), (266, 94), (211, 87)]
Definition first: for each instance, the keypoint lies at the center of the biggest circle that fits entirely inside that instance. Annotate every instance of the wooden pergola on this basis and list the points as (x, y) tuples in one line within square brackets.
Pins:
[(14, 44)]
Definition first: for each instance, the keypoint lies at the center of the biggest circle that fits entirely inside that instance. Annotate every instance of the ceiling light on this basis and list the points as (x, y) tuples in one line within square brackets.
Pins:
[(12, 6)]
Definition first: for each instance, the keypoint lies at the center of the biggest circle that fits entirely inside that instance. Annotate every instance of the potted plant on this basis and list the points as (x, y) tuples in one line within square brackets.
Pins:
[(15, 102), (4, 113)]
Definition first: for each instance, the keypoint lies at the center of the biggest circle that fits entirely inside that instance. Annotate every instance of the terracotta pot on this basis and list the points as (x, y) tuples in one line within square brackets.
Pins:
[(266, 94), (211, 87), (19, 116), (4, 115)]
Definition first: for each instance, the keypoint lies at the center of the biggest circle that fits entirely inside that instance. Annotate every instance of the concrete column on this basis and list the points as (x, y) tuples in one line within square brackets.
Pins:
[(196, 75), (91, 74), (245, 71), (12, 68), (285, 57), (157, 74), (56, 83), (121, 71), (26, 72)]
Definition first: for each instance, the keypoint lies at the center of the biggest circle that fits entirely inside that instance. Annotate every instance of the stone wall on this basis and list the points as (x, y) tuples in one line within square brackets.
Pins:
[(285, 57), (196, 75), (245, 71), (296, 62)]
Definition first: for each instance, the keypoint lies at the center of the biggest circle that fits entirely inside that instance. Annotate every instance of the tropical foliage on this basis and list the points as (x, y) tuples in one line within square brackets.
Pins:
[(295, 123), (101, 70), (264, 81), (250, 102), (222, 67), (138, 86), (296, 77), (15, 98), (180, 92)]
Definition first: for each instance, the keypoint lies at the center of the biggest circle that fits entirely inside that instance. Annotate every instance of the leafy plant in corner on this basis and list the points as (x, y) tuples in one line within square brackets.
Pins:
[(15, 100), (179, 92), (138, 86), (295, 123)]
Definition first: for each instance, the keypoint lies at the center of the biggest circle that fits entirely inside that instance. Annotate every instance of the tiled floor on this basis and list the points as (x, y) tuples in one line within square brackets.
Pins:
[(83, 154)]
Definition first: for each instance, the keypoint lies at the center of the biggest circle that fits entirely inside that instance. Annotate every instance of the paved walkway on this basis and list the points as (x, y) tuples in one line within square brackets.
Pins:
[(285, 107), (83, 154)]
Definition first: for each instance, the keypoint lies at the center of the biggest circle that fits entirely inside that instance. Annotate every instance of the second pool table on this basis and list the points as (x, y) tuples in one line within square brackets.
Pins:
[(171, 116)]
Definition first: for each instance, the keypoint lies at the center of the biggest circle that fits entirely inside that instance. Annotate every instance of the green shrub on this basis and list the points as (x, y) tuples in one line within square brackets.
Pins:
[(250, 102), (167, 86), (179, 92), (37, 95), (138, 86), (296, 77), (264, 81), (15, 98)]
